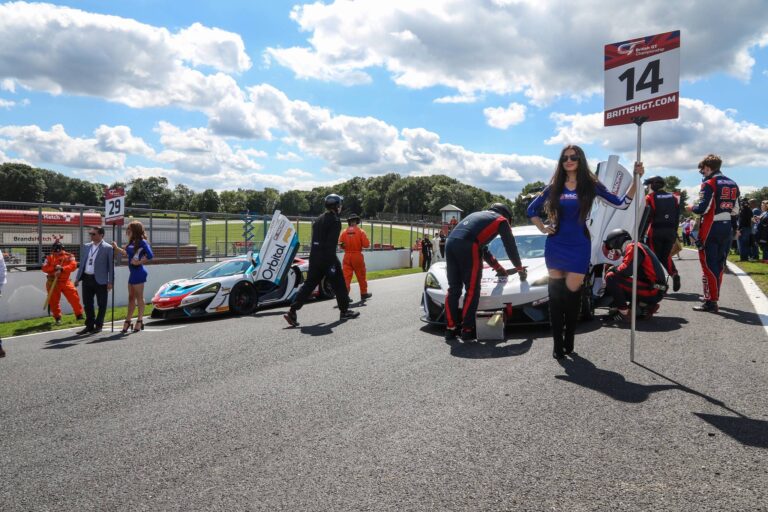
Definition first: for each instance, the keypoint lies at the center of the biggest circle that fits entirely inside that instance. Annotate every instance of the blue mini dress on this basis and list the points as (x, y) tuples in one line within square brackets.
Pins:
[(137, 274), (570, 249)]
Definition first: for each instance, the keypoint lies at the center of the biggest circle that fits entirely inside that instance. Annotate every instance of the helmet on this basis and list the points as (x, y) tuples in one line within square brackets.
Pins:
[(352, 217), (654, 179), (57, 246), (501, 209), (616, 238), (333, 201)]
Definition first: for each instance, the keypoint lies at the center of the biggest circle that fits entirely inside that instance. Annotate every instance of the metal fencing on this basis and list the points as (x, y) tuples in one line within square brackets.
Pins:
[(28, 230)]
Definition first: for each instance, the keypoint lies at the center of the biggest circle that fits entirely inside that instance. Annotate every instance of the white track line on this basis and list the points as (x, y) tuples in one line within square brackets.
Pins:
[(755, 294)]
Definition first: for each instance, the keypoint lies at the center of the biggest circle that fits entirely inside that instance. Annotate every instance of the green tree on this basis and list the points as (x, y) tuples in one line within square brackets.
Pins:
[(233, 201), (523, 199), (181, 198), (152, 191), (672, 183), (293, 202), (206, 201), (21, 183)]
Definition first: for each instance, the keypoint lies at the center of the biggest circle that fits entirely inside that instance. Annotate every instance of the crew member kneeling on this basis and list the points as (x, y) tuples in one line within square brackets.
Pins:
[(651, 286), (467, 243)]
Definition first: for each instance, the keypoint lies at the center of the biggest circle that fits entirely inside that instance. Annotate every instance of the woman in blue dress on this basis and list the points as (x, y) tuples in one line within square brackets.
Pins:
[(566, 202), (138, 252)]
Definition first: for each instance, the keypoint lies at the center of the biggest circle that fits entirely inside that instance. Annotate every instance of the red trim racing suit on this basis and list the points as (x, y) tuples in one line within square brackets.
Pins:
[(466, 245), (662, 230), (718, 202), (652, 283)]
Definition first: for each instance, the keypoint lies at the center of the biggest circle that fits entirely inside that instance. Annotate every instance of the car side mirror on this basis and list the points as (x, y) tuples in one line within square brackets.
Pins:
[(249, 255)]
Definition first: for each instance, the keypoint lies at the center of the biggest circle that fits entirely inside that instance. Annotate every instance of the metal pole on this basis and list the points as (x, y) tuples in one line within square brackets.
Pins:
[(226, 236), (390, 234), (150, 229), (113, 284), (178, 236), (203, 222), (635, 237), (39, 235)]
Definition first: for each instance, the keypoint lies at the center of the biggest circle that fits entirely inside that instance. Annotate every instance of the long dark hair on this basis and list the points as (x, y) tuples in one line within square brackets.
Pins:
[(585, 187), (137, 234)]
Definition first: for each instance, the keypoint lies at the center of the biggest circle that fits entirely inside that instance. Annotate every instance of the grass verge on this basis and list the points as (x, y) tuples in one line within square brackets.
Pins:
[(45, 323), (757, 270)]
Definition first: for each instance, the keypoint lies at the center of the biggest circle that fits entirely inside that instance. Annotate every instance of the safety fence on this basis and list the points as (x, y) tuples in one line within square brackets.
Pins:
[(28, 230)]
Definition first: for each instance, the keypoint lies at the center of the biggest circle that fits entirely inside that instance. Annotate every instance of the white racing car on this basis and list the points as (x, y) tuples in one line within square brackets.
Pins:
[(523, 301), (527, 301)]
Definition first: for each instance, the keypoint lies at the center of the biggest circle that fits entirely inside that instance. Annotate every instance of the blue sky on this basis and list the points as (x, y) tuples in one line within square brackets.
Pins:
[(290, 95)]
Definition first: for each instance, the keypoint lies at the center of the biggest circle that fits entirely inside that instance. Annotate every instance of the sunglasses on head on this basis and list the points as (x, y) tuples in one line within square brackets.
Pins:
[(572, 158)]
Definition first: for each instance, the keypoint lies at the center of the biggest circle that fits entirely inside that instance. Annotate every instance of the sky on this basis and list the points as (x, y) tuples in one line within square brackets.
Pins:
[(267, 93)]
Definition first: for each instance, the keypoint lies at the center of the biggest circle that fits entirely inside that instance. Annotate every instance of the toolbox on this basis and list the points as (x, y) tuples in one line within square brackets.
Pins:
[(490, 325)]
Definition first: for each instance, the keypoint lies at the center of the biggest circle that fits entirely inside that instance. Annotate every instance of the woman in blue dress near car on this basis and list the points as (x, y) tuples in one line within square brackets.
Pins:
[(567, 202), (138, 252)]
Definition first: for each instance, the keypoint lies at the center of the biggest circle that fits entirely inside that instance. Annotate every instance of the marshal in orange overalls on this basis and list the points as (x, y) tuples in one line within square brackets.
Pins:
[(68, 264), (353, 240)]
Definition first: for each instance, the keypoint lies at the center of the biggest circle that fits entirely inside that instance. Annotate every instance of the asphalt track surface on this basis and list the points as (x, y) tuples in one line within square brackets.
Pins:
[(379, 413)]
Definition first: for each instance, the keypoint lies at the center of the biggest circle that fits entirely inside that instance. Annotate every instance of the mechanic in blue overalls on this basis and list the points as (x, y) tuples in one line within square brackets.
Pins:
[(567, 201), (466, 246), (664, 208), (718, 203)]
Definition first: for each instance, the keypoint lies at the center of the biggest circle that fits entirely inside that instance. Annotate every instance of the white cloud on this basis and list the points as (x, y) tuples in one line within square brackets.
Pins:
[(56, 146), (64, 50), (543, 48), (289, 157), (502, 118), (460, 98), (7, 85), (297, 173), (118, 139), (7, 104), (198, 151), (676, 144)]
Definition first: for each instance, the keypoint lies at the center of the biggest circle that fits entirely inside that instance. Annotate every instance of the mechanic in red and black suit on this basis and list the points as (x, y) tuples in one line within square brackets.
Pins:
[(651, 285), (662, 229), (466, 246), (718, 203)]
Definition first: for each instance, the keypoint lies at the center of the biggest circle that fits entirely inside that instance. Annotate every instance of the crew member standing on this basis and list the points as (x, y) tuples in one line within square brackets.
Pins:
[(662, 229), (718, 203), (58, 266), (467, 244), (323, 262), (426, 252), (353, 240), (651, 285), (441, 244)]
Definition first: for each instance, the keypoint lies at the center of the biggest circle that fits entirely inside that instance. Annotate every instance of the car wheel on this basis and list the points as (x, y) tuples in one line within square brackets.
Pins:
[(243, 299), (587, 311), (326, 289)]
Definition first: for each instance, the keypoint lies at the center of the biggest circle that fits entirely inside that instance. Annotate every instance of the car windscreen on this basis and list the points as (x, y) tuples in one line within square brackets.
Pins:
[(224, 269), (529, 246)]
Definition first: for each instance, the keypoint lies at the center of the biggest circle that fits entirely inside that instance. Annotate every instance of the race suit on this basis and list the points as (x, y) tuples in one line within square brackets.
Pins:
[(718, 202), (662, 231), (466, 245), (62, 284), (652, 283), (323, 262), (353, 240)]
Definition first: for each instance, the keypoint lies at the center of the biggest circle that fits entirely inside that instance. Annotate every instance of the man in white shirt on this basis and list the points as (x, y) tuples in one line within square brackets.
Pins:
[(97, 273)]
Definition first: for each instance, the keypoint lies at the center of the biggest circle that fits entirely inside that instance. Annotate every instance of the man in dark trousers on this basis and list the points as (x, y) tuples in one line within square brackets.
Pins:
[(651, 285), (441, 244), (97, 273), (426, 252), (718, 203), (662, 224), (323, 262), (467, 245)]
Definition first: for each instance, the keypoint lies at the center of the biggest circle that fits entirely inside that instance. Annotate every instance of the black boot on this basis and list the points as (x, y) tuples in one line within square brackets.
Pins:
[(572, 308), (557, 315)]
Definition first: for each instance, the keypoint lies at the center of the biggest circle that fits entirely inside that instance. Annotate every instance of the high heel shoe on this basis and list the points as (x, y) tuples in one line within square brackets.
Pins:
[(126, 326), (136, 327)]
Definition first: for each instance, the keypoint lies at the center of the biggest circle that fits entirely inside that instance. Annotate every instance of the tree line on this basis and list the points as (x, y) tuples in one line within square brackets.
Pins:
[(390, 193)]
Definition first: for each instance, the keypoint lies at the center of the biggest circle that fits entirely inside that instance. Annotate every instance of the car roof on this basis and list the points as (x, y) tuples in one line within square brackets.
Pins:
[(526, 230)]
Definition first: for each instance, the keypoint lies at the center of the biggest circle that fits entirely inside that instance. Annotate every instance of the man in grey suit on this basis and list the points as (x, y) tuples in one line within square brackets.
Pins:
[(97, 273)]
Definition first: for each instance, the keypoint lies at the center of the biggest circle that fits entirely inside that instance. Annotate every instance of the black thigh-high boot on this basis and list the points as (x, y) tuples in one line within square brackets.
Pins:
[(557, 314), (572, 307)]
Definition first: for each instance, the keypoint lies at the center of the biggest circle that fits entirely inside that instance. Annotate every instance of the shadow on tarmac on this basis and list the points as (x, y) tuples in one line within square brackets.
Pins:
[(319, 329), (743, 317), (487, 350)]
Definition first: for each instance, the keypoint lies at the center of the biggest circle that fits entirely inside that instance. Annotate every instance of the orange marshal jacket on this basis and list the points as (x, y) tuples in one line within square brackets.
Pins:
[(67, 262), (354, 240)]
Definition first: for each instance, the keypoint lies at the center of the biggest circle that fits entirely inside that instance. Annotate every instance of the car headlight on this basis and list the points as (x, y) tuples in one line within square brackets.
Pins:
[(431, 281), (211, 288), (542, 281)]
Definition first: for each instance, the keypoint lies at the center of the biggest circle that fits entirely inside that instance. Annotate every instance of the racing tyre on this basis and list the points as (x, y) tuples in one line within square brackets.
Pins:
[(326, 290), (243, 299), (587, 311)]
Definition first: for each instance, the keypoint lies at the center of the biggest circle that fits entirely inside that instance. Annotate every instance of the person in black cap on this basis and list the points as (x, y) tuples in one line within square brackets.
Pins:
[(426, 253), (323, 262), (664, 214), (466, 246)]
